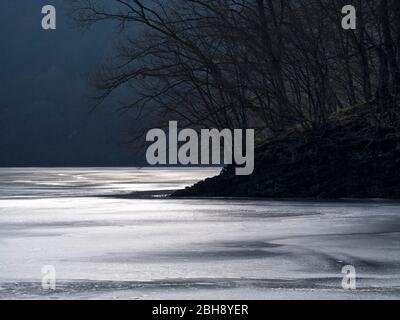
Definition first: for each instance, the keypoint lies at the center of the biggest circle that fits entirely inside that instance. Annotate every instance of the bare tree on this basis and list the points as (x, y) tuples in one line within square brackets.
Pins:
[(249, 63)]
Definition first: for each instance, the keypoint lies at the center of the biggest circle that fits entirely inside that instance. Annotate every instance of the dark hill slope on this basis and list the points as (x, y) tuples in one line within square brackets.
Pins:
[(357, 154)]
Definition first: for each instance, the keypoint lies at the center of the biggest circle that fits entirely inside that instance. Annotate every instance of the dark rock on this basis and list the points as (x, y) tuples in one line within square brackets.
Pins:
[(356, 155)]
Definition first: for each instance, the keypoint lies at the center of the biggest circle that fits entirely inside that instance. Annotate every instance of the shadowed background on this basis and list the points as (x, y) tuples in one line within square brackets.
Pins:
[(45, 104)]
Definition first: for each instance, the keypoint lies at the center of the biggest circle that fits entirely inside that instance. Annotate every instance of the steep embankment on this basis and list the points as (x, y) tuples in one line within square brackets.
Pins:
[(357, 154)]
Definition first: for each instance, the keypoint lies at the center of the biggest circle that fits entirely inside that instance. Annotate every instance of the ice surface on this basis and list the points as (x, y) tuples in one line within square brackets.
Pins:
[(108, 247)]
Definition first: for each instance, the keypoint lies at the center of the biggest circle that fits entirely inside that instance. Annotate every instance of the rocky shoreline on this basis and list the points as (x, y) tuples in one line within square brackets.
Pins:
[(356, 155)]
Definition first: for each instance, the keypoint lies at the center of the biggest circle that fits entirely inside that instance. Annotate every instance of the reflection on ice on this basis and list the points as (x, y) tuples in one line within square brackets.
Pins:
[(112, 247), (45, 182)]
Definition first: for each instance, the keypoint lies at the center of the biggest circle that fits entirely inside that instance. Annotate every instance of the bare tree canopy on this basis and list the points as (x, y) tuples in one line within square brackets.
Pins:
[(249, 63)]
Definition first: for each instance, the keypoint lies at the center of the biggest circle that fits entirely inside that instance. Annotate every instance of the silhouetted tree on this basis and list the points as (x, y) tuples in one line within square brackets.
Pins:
[(249, 63)]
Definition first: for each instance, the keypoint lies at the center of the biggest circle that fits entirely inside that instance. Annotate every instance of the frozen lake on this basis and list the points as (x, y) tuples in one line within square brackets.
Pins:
[(107, 246)]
